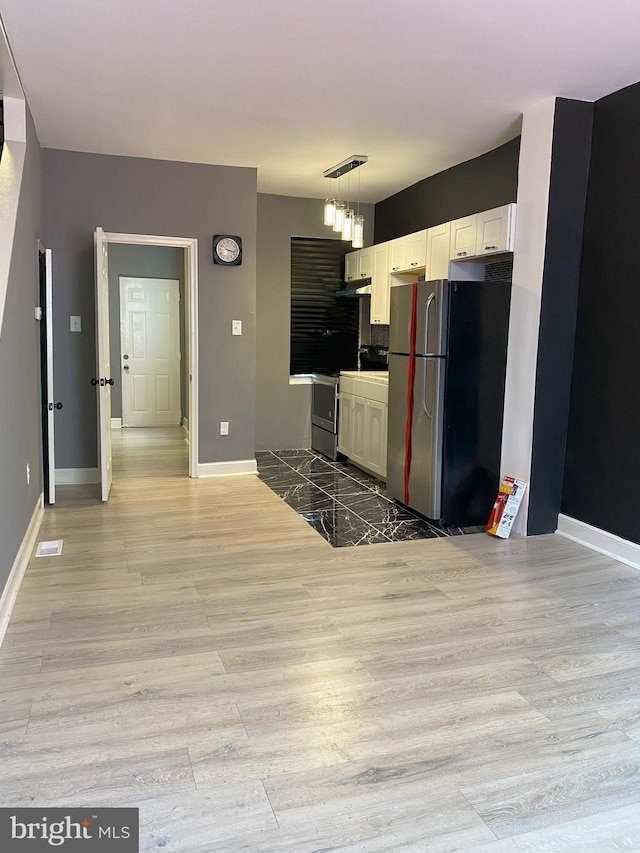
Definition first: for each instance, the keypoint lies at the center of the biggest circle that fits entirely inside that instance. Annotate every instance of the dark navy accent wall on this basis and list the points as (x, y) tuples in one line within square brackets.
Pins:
[(602, 470), (488, 181), (570, 153)]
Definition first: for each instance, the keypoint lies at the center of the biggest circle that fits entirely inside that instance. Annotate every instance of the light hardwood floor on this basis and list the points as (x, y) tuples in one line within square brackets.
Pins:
[(200, 652)]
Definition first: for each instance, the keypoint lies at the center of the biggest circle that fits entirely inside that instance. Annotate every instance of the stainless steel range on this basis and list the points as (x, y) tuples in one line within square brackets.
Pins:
[(324, 413), (325, 400)]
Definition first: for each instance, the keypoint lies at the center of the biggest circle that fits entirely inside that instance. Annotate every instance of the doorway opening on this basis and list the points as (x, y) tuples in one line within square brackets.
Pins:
[(147, 341)]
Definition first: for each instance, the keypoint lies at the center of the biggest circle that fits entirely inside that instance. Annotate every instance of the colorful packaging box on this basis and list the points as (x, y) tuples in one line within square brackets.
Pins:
[(506, 507)]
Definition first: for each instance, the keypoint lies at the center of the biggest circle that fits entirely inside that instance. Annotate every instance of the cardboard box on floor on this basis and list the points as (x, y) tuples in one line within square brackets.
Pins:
[(506, 507)]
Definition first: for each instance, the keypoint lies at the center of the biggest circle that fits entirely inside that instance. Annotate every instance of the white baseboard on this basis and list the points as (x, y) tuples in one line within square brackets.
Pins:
[(12, 587), (76, 476), (224, 469), (599, 540), (116, 423)]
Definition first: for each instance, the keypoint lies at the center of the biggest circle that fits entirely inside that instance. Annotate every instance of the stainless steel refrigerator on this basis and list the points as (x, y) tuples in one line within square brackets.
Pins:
[(447, 364)]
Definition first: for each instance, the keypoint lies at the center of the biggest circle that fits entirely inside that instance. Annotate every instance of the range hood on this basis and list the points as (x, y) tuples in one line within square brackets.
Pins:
[(363, 290)]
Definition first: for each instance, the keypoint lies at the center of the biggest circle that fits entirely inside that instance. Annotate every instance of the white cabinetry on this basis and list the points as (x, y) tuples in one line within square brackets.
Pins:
[(362, 422), (366, 262), (463, 237), (380, 284), (416, 250), (352, 266), (438, 242), (496, 230), (488, 233), (358, 265), (398, 254), (408, 253)]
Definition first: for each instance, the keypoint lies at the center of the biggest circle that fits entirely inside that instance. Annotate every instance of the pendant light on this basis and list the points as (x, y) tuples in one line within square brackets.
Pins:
[(347, 224), (339, 216), (329, 211), (358, 224), (358, 231)]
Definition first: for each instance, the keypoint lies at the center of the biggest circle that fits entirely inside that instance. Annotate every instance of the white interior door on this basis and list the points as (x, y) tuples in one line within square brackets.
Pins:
[(150, 341), (50, 462), (103, 362)]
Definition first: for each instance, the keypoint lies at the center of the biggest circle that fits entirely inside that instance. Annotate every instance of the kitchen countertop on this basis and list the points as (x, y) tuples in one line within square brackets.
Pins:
[(381, 376)]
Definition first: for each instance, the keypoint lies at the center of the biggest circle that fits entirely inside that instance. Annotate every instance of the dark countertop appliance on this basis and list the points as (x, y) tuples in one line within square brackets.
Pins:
[(447, 365), (373, 357)]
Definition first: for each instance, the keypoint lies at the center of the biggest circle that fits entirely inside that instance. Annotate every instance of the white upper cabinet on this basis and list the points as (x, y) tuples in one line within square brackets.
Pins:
[(463, 237), (438, 242), (416, 250), (408, 253), (352, 266), (366, 262), (380, 284), (398, 254), (496, 230)]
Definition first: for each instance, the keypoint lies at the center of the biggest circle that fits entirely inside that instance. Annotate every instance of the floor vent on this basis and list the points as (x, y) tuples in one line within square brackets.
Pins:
[(53, 548)]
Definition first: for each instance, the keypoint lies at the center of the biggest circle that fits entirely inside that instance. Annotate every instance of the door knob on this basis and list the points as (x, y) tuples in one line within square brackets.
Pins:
[(125, 357), (126, 367), (57, 406)]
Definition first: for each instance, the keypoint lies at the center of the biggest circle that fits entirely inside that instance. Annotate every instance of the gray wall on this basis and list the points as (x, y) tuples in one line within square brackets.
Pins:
[(139, 196), (128, 259), (20, 370), (283, 411)]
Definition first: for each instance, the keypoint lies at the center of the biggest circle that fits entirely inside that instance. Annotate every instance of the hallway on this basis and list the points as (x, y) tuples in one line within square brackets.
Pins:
[(200, 652)]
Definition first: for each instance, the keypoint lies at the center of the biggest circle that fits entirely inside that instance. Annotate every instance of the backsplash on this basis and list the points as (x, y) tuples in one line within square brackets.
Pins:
[(501, 271), (379, 335)]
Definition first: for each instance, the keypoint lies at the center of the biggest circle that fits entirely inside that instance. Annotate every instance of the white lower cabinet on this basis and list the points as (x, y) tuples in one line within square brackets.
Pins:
[(376, 432), (362, 432)]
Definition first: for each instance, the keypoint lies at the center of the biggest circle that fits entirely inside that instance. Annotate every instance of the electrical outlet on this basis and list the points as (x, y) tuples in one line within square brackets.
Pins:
[(28, 474), (224, 427), (75, 324)]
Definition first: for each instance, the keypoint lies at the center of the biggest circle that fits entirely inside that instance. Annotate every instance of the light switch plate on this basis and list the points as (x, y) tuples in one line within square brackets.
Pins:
[(236, 327), (75, 323)]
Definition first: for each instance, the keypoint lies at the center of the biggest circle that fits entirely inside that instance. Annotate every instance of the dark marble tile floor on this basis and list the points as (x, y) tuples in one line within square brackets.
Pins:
[(344, 504)]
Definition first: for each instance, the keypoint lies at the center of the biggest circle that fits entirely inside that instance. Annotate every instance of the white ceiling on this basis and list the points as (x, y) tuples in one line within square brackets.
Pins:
[(295, 86)]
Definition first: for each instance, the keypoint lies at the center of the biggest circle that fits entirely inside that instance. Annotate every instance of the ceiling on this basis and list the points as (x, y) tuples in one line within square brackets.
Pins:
[(293, 87)]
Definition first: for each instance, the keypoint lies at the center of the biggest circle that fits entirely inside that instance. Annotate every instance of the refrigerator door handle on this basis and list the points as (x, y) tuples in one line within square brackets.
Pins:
[(427, 411), (427, 312)]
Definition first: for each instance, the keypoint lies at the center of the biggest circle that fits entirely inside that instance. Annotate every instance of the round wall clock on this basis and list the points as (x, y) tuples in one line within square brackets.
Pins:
[(227, 250)]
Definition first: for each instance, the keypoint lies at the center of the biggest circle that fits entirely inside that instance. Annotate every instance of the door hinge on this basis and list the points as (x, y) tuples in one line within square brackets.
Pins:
[(38, 312)]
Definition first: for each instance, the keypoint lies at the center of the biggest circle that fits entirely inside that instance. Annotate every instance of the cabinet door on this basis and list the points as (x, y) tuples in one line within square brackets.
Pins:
[(358, 430), (416, 250), (495, 231), (438, 245), (398, 254), (352, 266), (345, 410), (376, 459), (366, 262), (463, 238), (380, 284)]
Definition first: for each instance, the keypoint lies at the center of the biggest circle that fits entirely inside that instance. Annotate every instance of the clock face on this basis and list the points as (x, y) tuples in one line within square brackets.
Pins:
[(227, 250)]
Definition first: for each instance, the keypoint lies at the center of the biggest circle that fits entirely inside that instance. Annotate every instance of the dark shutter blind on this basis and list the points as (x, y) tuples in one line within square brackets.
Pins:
[(324, 327)]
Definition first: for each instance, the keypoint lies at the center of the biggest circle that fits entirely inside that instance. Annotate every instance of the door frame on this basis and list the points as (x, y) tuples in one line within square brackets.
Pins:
[(47, 420), (175, 351), (190, 245)]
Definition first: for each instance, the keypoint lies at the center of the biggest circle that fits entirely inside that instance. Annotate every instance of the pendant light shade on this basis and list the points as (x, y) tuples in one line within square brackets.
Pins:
[(339, 217), (329, 211), (347, 224), (358, 232)]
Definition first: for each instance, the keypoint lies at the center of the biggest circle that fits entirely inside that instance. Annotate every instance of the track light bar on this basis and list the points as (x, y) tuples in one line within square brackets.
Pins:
[(346, 166)]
